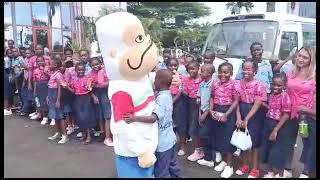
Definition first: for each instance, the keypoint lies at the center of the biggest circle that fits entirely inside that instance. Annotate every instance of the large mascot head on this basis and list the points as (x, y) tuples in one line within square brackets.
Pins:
[(128, 53)]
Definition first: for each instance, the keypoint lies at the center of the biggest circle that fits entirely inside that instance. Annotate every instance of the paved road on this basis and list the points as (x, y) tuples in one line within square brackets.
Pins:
[(28, 154)]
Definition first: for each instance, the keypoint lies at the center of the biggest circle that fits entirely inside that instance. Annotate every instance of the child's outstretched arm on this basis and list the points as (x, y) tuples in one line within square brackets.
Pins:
[(238, 116), (66, 86), (261, 96), (253, 111), (58, 105), (276, 129), (146, 119), (231, 108)]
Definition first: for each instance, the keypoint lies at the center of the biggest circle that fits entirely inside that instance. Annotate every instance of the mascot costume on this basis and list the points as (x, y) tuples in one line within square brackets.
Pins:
[(129, 55)]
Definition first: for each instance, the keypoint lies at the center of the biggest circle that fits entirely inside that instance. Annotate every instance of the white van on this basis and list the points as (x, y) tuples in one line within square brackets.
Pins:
[(278, 33)]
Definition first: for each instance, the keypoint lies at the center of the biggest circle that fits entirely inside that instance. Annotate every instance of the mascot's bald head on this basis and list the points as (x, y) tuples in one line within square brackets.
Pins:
[(127, 52)]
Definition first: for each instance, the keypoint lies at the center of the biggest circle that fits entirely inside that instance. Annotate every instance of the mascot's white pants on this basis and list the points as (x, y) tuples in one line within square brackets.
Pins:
[(127, 167)]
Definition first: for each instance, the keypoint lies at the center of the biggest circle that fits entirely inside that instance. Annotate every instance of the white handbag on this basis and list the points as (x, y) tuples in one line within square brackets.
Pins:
[(241, 140)]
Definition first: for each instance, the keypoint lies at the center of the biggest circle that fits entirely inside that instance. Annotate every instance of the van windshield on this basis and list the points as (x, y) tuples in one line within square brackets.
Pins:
[(233, 39)]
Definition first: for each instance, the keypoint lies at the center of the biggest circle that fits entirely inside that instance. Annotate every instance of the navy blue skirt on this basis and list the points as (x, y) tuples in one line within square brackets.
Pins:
[(84, 112), (179, 115), (67, 99), (54, 113), (27, 94), (193, 117), (223, 131), (255, 124), (42, 93), (103, 109), (274, 152), (308, 155)]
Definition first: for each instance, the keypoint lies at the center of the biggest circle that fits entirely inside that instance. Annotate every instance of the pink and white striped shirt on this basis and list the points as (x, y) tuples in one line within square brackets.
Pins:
[(223, 93), (32, 63), (55, 77), (174, 90), (251, 91), (279, 104), (80, 85), (191, 86), (99, 78), (41, 74)]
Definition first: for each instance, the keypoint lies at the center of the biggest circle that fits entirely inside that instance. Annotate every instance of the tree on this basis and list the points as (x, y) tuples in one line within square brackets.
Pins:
[(52, 7), (165, 21), (89, 24), (235, 7)]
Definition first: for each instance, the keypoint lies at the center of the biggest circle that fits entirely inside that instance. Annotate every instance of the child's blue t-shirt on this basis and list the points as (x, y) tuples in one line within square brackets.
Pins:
[(205, 94), (163, 109)]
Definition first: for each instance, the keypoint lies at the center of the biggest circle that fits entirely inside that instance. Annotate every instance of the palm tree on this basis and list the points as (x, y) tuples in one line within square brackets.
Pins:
[(235, 7), (52, 6)]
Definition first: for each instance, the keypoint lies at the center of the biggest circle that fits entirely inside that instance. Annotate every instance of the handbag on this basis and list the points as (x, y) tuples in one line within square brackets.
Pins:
[(241, 140)]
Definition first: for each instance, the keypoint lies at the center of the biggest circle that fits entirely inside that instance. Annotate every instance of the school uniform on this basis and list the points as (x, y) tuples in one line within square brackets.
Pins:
[(32, 63), (26, 94), (17, 73), (223, 94), (179, 110), (264, 74), (299, 92), (166, 165), (83, 105), (103, 109), (6, 89), (191, 86), (41, 78), (206, 129), (274, 152), (54, 112), (67, 97), (249, 92)]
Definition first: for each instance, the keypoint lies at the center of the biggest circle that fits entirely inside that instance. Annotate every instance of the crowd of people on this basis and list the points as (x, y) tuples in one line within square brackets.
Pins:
[(58, 89), (269, 101), (207, 106)]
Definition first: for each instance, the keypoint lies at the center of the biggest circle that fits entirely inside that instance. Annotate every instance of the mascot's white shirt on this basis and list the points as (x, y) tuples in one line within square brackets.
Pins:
[(132, 139)]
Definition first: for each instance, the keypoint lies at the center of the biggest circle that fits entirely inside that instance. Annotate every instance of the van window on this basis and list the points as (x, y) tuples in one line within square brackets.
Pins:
[(289, 40), (309, 34)]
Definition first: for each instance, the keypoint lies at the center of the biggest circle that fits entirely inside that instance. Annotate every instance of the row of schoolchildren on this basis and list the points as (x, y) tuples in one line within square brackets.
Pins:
[(210, 108), (61, 91)]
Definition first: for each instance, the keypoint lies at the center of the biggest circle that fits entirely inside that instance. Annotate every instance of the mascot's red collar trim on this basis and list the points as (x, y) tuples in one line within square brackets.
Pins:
[(122, 104)]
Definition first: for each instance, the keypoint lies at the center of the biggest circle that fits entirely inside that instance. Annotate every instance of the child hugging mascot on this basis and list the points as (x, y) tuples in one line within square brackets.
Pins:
[(129, 55)]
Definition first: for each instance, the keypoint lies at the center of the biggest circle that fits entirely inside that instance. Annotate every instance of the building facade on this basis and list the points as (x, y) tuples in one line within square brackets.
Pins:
[(51, 24)]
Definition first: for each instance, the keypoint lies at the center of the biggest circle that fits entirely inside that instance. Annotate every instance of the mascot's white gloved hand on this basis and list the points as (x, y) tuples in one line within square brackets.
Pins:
[(147, 159)]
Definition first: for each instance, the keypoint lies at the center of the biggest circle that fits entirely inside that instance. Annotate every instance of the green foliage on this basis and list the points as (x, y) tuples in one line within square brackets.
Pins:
[(166, 22), (75, 45), (235, 7), (52, 9)]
